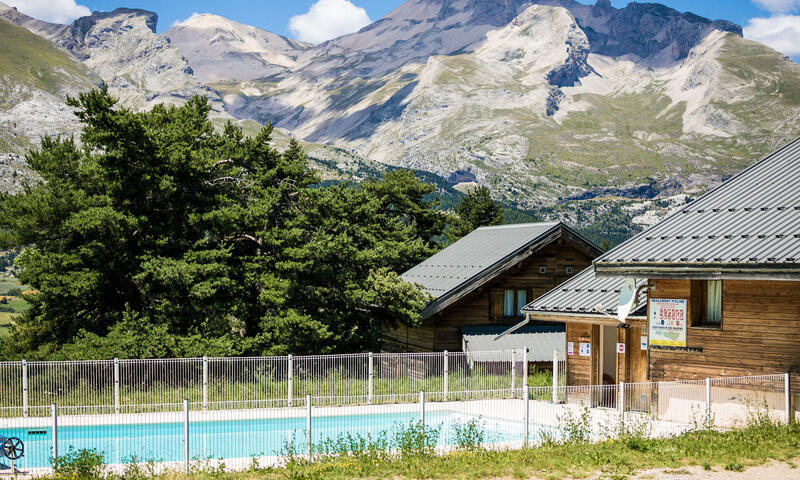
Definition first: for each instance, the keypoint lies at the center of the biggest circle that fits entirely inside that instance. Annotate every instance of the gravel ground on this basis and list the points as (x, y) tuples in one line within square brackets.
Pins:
[(769, 471)]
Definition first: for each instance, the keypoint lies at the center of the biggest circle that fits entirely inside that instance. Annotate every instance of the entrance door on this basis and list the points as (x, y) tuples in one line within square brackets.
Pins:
[(608, 355)]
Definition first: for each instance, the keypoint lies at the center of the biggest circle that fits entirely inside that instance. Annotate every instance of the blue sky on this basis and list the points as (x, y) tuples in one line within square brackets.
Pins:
[(775, 22)]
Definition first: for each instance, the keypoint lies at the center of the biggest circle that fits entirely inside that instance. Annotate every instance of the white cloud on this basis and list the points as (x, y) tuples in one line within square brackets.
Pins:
[(56, 11), (778, 6), (328, 19), (190, 17), (781, 32)]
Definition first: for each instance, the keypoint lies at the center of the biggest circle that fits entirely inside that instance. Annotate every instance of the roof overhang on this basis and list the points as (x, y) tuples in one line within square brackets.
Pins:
[(784, 272), (558, 231), (594, 318)]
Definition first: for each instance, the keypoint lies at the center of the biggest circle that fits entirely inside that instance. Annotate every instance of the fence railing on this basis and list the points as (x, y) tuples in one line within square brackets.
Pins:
[(121, 382), (240, 433)]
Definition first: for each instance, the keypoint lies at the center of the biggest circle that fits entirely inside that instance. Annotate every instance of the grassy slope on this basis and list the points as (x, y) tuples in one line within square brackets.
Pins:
[(31, 60)]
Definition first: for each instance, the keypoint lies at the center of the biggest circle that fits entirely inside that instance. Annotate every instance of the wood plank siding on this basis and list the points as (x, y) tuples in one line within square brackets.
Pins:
[(760, 332), (484, 306)]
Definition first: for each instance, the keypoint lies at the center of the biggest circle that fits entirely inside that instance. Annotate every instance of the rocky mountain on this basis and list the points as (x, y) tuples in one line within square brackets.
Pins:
[(34, 78), (221, 49), (140, 67), (547, 102), (586, 112)]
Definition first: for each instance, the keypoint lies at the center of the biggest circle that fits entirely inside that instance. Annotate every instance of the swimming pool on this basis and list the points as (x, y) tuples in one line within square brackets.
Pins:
[(241, 438)]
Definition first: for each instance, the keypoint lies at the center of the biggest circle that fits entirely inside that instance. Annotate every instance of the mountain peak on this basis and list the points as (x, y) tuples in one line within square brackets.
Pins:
[(218, 48)]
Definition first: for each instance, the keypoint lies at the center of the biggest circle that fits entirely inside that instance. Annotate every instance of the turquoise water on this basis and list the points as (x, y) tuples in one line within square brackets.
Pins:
[(228, 439)]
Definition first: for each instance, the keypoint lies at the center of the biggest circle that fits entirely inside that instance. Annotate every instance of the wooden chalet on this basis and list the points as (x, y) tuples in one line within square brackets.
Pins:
[(485, 278), (719, 289)]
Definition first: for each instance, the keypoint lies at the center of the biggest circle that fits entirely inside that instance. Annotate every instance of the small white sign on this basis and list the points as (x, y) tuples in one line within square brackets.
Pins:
[(570, 348), (585, 350), (620, 348), (644, 343)]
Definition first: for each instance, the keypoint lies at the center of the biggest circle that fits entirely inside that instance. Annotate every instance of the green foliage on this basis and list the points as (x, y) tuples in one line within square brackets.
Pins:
[(469, 436), (160, 236), (476, 209), (79, 465)]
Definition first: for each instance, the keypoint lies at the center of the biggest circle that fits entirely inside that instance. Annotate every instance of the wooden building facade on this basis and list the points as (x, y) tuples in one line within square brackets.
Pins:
[(718, 289), (486, 278)]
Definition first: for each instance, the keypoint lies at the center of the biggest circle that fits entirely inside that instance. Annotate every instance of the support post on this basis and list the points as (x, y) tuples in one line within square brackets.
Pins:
[(708, 403), (24, 388), (186, 436), (787, 398), (116, 386), (525, 368), (555, 376), (526, 415), (54, 430), (308, 425), (289, 387), (205, 383), (445, 386), (422, 411), (621, 405), (371, 376), (513, 371)]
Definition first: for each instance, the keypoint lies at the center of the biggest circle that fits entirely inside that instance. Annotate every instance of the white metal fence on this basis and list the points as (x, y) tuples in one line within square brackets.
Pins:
[(267, 431), (123, 383)]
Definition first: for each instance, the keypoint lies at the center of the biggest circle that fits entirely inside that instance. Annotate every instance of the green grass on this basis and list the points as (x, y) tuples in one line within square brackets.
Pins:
[(412, 457), (34, 61), (262, 386)]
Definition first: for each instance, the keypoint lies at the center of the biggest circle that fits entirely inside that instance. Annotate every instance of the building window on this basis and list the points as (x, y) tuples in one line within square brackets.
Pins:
[(508, 303), (543, 269), (569, 270), (522, 300), (707, 303)]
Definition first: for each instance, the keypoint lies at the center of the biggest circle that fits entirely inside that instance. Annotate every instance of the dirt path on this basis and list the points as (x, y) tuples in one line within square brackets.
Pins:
[(769, 471)]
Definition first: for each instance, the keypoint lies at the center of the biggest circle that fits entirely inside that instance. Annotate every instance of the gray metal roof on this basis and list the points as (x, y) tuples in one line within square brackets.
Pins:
[(747, 227), (540, 340), (582, 293), (481, 255)]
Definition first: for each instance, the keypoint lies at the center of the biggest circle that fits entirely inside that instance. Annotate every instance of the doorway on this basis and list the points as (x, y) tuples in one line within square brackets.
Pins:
[(608, 355)]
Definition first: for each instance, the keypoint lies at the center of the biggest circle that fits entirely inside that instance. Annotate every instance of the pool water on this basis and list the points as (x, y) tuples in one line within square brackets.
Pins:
[(238, 439)]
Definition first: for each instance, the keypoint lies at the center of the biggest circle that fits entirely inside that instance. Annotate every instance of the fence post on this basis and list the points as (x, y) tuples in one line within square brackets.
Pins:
[(54, 430), (622, 404), (186, 436), (24, 388), (708, 403), (513, 371), (205, 382), (787, 398), (445, 386), (289, 394), (525, 367), (422, 412), (371, 376), (116, 386), (308, 425), (555, 376), (526, 414)]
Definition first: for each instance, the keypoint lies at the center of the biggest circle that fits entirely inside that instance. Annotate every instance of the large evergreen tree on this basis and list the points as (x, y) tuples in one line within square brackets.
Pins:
[(158, 236)]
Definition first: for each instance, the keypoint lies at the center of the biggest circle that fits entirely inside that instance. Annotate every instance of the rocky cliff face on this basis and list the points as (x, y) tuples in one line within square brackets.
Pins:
[(140, 67)]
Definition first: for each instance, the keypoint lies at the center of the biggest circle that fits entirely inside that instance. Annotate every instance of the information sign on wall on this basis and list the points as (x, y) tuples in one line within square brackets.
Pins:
[(668, 322), (570, 348), (585, 350)]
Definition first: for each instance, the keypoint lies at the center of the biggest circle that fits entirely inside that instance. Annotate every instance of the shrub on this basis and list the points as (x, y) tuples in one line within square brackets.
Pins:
[(469, 436), (79, 465)]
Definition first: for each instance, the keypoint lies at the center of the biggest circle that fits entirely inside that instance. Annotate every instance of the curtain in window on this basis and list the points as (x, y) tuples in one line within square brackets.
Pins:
[(508, 304), (522, 300), (714, 301)]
